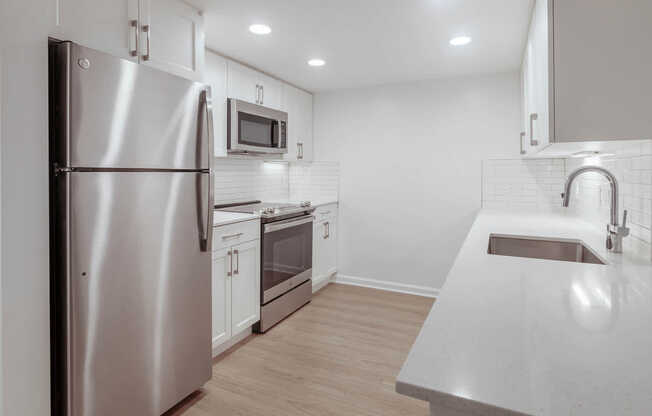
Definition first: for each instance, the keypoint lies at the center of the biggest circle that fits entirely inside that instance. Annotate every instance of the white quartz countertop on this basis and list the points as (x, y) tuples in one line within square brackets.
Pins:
[(517, 335), (224, 218)]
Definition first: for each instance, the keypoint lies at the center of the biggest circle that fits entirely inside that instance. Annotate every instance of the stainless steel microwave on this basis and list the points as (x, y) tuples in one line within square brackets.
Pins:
[(253, 128)]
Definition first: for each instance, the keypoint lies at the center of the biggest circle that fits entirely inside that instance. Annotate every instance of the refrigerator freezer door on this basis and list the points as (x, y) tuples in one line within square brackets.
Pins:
[(140, 287), (124, 115)]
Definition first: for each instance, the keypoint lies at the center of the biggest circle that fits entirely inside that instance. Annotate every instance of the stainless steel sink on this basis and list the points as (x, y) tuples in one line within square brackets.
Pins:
[(542, 248)]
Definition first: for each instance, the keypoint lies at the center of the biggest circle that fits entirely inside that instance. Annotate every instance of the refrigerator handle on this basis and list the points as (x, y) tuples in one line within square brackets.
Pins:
[(208, 107)]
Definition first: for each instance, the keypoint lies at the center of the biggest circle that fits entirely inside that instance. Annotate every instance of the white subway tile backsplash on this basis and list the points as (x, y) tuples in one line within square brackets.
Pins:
[(521, 183), (317, 181), (513, 183), (238, 180)]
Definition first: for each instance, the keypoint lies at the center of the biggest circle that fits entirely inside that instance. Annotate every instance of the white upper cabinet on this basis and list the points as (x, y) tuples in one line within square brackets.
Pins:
[(172, 37), (215, 76), (243, 83), (586, 74), (252, 86), (298, 105), (109, 26), (535, 84), (271, 92), (165, 34), (602, 68)]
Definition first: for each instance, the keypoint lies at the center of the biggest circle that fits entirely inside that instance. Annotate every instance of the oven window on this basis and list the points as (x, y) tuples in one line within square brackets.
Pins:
[(257, 131), (286, 253)]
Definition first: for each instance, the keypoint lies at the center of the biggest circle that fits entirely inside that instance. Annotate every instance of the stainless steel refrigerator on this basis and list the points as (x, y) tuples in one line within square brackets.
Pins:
[(131, 228)]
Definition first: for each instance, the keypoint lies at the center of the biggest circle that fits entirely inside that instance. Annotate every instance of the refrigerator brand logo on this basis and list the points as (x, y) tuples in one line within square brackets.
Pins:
[(84, 63)]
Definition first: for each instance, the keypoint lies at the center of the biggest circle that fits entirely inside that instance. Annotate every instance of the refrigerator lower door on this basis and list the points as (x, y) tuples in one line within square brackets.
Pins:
[(139, 291)]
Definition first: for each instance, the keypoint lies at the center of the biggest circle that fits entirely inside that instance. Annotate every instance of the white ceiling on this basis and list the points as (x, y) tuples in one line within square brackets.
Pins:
[(368, 42)]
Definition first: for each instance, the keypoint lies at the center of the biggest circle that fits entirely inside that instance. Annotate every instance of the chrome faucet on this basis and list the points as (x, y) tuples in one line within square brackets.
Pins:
[(615, 232)]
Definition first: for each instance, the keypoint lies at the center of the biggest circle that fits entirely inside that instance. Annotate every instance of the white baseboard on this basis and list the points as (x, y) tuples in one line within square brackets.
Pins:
[(429, 292), (219, 349), (320, 282)]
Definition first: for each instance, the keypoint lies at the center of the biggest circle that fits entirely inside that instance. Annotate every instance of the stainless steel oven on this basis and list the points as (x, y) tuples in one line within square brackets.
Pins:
[(286, 270), (252, 128)]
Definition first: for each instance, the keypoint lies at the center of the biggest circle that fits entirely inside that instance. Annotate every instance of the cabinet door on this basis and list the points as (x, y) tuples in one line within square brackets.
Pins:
[(242, 83), (102, 25), (320, 251), (272, 92), (298, 105), (602, 67), (172, 37), (221, 296), (245, 286), (539, 33), (215, 76), (329, 255), (523, 134)]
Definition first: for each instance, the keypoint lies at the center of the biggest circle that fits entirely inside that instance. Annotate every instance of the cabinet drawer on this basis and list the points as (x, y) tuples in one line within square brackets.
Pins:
[(326, 211), (231, 234)]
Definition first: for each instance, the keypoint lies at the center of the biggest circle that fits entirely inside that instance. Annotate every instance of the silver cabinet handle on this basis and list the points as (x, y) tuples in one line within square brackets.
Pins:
[(262, 94), (533, 117), (299, 150), (237, 262), (328, 230), (521, 142), (230, 272), (325, 230), (257, 94), (134, 25), (146, 30), (226, 237)]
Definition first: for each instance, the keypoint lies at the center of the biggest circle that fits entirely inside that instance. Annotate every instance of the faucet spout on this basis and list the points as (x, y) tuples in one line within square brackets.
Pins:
[(615, 232)]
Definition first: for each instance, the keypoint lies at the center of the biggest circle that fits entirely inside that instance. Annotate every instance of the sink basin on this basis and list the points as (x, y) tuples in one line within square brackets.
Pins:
[(542, 248)]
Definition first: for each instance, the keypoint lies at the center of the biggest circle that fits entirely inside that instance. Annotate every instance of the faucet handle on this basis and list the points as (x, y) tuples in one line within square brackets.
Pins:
[(624, 219)]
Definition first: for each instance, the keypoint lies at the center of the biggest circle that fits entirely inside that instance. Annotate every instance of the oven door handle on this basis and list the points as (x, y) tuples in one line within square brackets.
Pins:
[(282, 225)]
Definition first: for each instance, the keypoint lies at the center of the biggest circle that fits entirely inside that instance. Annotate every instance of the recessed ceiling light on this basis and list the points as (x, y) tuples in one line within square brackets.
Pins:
[(260, 29), (461, 40), (316, 62)]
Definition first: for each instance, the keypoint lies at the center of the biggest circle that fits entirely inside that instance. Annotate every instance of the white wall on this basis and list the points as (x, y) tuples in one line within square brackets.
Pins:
[(24, 28), (410, 164)]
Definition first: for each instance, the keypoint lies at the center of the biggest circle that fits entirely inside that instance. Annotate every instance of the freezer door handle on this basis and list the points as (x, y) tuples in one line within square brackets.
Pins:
[(208, 107)]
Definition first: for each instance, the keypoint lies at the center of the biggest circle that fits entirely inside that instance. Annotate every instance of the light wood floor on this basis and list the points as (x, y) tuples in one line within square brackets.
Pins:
[(339, 355)]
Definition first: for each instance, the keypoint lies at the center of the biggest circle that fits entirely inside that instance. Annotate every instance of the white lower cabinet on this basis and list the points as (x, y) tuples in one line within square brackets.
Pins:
[(245, 286), (235, 283), (324, 254), (221, 295)]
